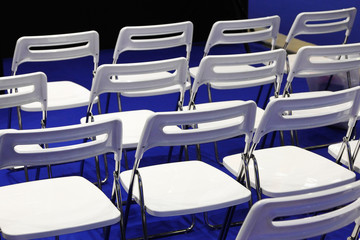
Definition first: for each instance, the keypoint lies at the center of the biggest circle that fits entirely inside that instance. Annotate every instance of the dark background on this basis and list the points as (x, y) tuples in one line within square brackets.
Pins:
[(108, 17)]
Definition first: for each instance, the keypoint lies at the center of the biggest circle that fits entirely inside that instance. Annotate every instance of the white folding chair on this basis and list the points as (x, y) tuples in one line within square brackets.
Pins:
[(61, 94), (15, 96), (153, 37), (294, 217), (239, 32), (316, 61), (187, 187), (243, 70), (322, 22), (150, 81), (61, 205), (290, 170)]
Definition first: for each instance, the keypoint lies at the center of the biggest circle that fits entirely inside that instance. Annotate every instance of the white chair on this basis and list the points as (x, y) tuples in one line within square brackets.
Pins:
[(14, 96), (242, 71), (153, 37), (239, 32), (115, 78), (187, 187), (61, 94), (61, 205), (314, 61), (290, 170), (323, 22), (293, 217)]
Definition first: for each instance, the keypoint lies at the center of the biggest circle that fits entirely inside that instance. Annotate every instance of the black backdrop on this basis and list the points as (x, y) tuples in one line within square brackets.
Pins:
[(108, 17)]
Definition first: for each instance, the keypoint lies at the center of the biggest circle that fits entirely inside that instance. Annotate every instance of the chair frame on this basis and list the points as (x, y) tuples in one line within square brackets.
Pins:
[(154, 135), (304, 66), (279, 117), (64, 154)]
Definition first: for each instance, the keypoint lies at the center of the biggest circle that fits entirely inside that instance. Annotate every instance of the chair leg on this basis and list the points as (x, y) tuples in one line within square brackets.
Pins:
[(126, 159), (226, 224), (217, 153), (217, 226), (355, 233), (98, 172)]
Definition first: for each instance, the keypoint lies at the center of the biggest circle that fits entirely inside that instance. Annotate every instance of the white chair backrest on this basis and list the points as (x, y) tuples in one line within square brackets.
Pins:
[(312, 61), (265, 66), (243, 31), (322, 22), (154, 37), (110, 141), (13, 98), (56, 47), (271, 218), (156, 134), (108, 78), (333, 108)]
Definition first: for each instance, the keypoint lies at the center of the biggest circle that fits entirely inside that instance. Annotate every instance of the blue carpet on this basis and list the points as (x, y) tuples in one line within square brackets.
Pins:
[(82, 70)]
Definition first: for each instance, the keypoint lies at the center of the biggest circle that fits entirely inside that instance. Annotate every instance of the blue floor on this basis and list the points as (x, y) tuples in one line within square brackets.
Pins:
[(82, 70)]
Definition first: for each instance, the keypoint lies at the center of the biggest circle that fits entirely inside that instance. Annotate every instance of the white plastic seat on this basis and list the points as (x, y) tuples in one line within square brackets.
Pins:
[(154, 37), (134, 121), (290, 170), (321, 22), (293, 217), (61, 205), (187, 187), (61, 94), (239, 32)]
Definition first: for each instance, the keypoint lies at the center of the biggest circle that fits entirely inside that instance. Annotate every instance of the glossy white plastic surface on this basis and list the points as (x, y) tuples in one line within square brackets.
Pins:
[(272, 218), (235, 71), (315, 61), (238, 74), (61, 94), (162, 36), (189, 186), (145, 78), (241, 31), (54, 207), (290, 170), (322, 22), (154, 37), (62, 205), (133, 123), (319, 23), (35, 83)]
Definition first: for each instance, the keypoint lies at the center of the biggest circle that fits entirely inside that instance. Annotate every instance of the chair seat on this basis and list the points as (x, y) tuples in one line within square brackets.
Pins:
[(189, 187), (62, 95), (133, 124), (149, 76), (334, 149), (223, 104), (282, 175), (235, 84), (53, 207)]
